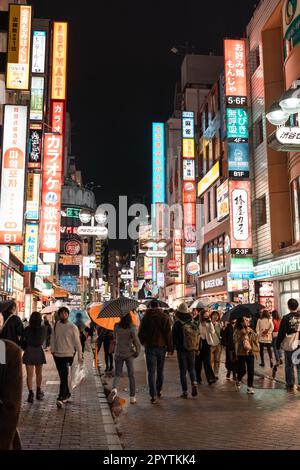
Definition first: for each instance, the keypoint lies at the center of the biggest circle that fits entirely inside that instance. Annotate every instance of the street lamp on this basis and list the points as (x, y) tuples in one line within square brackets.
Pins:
[(276, 115), (290, 101), (85, 216)]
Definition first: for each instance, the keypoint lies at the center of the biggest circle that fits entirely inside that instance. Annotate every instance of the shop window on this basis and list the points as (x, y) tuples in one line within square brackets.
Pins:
[(258, 132), (261, 211), (288, 290), (221, 252), (210, 258), (206, 116), (208, 207), (296, 208), (216, 255)]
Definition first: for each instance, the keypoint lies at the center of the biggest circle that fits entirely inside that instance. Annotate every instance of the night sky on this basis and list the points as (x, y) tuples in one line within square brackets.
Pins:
[(122, 76)]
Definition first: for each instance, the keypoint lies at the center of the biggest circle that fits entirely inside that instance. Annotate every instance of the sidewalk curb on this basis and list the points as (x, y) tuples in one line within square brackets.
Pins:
[(113, 440)]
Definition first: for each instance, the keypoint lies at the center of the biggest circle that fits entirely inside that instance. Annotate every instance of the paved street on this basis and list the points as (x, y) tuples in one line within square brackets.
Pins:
[(219, 418), (86, 423)]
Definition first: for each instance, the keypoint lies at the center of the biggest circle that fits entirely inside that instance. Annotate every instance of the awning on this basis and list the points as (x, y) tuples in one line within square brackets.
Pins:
[(60, 293)]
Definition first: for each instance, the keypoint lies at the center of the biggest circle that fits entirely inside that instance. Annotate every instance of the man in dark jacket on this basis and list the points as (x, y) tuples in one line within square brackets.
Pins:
[(155, 334), (289, 325), (10, 394), (185, 357)]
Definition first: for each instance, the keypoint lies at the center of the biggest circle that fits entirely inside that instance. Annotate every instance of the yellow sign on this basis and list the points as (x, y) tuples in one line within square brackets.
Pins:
[(18, 49), (209, 179), (17, 250), (59, 61), (188, 148)]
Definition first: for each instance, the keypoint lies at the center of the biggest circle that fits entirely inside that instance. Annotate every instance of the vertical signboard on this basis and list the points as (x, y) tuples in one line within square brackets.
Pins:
[(33, 196), (38, 51), (37, 98), (13, 175), (58, 116), (189, 185), (240, 218), (177, 251), (158, 159), (238, 160), (31, 247), (59, 61), (35, 144), (18, 49), (235, 72), (51, 194)]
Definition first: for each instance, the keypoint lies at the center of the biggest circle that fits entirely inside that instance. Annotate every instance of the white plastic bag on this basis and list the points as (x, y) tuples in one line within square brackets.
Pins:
[(78, 373)]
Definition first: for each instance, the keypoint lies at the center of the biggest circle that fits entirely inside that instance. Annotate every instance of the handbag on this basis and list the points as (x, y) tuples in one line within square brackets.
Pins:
[(290, 342)]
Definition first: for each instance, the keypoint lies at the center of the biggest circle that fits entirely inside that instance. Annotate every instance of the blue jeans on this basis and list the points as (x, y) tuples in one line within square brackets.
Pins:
[(289, 369), (118, 372), (186, 362), (155, 359), (277, 353)]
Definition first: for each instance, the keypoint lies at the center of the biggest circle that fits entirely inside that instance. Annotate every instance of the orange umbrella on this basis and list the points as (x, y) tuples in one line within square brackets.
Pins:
[(108, 323)]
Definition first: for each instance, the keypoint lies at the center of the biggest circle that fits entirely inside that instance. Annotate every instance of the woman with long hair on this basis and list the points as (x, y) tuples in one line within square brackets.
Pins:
[(127, 348), (276, 322), (264, 329), (12, 328), (203, 358), (34, 356), (246, 345)]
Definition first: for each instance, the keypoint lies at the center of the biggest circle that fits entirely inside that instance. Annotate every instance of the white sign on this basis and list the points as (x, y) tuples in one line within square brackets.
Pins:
[(13, 175), (18, 282), (33, 196), (188, 127), (49, 257), (4, 254), (189, 170), (156, 254), (44, 270), (160, 280), (223, 200), (126, 276), (93, 266), (38, 52), (96, 231), (212, 283), (86, 266), (288, 135), (239, 209)]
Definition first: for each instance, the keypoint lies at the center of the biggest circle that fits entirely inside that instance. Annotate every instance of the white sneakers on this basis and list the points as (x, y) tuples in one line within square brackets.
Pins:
[(132, 400), (250, 391), (112, 395)]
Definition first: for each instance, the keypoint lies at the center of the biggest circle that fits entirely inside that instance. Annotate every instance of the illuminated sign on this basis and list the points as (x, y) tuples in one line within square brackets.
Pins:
[(160, 280), (156, 254), (44, 270), (33, 196), (237, 125), (72, 247), (18, 50), (240, 218), (188, 126), (241, 268), (291, 24), (238, 160), (49, 257), (59, 62), (31, 248), (58, 116), (38, 51), (70, 260), (72, 212), (188, 170), (189, 206), (37, 98), (235, 72), (148, 268), (35, 141), (281, 267), (193, 268), (18, 282), (188, 148), (13, 175), (158, 160), (288, 136), (17, 251), (223, 200), (4, 254), (209, 179), (51, 194)]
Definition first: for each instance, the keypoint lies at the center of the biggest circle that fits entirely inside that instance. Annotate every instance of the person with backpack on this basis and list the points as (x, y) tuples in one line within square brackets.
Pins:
[(288, 340), (186, 337), (12, 328), (246, 345)]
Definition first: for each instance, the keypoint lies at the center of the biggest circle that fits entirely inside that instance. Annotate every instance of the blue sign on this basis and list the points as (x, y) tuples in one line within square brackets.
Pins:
[(241, 268), (158, 162), (238, 160), (237, 124), (69, 283)]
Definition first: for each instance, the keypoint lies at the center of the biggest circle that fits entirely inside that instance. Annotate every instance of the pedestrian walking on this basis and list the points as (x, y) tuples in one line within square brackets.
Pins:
[(208, 339), (10, 395), (105, 338), (276, 323), (230, 355), (246, 344), (155, 334), (34, 356), (48, 329), (127, 348), (83, 330), (186, 338), (264, 329), (216, 351), (288, 340), (65, 343), (12, 328)]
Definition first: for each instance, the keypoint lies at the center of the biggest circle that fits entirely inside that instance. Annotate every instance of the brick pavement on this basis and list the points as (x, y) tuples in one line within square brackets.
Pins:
[(219, 418), (86, 423)]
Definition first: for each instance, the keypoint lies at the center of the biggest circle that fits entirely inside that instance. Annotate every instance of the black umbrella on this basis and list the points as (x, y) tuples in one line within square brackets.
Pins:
[(118, 307), (248, 310), (160, 303)]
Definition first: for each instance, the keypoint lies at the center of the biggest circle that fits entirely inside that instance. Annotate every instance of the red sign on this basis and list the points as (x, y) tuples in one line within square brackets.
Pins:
[(240, 217), (172, 265), (235, 68), (58, 116), (189, 205), (177, 249), (72, 247), (51, 194)]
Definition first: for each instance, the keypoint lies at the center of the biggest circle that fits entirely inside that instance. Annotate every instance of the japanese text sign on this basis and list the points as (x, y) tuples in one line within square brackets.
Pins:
[(13, 175), (35, 140), (31, 247), (59, 61), (38, 51), (33, 196), (235, 71), (237, 124), (158, 162), (37, 99), (51, 194), (58, 116), (240, 217)]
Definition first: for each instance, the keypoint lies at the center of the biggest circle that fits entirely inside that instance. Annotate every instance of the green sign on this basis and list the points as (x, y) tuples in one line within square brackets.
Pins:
[(237, 124), (241, 268), (280, 267), (73, 212)]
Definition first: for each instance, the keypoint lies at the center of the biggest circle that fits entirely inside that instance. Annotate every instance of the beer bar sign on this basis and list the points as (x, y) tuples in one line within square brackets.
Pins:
[(35, 140)]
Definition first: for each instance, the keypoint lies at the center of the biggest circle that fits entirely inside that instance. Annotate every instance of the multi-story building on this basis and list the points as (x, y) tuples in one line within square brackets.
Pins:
[(274, 58)]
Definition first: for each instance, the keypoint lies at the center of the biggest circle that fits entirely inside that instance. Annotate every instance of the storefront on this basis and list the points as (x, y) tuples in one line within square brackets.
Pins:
[(278, 281), (173, 293), (213, 285), (240, 290), (18, 292)]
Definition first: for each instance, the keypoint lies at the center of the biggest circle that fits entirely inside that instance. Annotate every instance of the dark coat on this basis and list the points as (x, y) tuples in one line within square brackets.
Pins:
[(227, 337), (177, 332), (13, 330), (155, 329), (10, 397), (288, 325)]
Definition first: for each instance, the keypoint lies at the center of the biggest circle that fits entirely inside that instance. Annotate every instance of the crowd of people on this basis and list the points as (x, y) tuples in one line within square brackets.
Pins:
[(198, 336)]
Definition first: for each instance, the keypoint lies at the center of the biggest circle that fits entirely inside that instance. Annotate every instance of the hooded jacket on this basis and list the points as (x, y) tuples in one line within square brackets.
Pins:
[(290, 324), (177, 332), (155, 329)]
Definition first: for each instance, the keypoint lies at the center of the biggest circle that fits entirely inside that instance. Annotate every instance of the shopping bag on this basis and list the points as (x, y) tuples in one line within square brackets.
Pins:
[(78, 374)]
